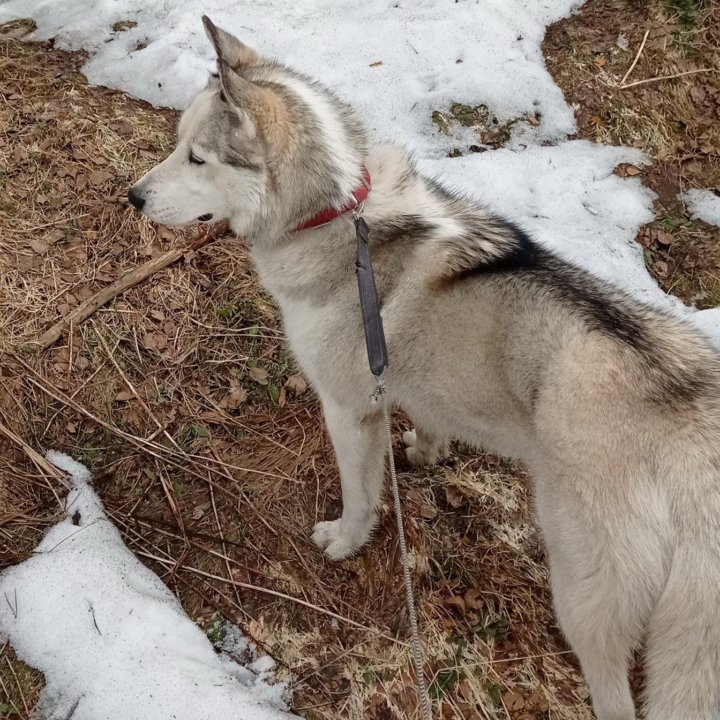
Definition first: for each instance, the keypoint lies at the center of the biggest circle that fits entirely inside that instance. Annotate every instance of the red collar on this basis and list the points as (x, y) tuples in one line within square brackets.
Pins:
[(322, 218)]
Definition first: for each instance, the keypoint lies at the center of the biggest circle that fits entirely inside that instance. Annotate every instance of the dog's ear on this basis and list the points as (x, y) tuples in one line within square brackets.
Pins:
[(228, 48), (258, 107), (239, 92)]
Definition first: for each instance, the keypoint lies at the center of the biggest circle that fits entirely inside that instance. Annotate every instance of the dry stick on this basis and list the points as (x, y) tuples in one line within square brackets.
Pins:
[(39, 461), (156, 450), (234, 561), (6, 691), (19, 686), (165, 482), (637, 57), (275, 593), (83, 311), (222, 541), (161, 428), (664, 77), (144, 443)]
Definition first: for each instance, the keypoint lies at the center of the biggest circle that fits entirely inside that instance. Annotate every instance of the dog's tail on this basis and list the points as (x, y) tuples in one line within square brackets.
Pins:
[(683, 644)]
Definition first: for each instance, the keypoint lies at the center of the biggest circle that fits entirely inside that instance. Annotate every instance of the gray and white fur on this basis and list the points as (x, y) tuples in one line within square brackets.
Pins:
[(493, 341)]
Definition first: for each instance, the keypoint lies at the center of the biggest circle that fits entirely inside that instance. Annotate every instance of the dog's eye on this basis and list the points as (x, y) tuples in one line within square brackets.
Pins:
[(195, 160)]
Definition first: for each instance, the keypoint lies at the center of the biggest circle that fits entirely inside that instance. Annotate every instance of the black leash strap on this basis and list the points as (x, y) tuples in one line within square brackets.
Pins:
[(374, 333), (378, 358)]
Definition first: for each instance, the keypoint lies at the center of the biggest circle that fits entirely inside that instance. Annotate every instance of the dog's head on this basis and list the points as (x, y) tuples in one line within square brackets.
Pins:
[(261, 146)]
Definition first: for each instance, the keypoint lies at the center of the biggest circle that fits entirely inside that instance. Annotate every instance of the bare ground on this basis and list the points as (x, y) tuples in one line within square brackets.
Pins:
[(668, 106)]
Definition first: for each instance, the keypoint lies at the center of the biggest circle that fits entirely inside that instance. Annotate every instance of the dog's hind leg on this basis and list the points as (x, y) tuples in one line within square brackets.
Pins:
[(423, 448), (359, 444), (597, 566), (593, 615)]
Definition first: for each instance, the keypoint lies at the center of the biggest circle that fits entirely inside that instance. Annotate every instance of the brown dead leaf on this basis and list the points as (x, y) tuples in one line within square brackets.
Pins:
[(55, 235), (99, 177), (447, 711), (664, 238), (165, 234), (513, 700), (123, 396), (456, 602), (38, 246), (406, 697), (473, 599), (81, 182), (155, 341), (415, 496), (234, 399), (259, 375), (296, 385), (627, 170), (697, 93), (454, 497)]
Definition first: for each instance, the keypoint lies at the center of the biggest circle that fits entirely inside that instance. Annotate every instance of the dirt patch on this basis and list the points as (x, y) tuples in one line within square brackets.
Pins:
[(209, 459), (487, 131), (664, 100)]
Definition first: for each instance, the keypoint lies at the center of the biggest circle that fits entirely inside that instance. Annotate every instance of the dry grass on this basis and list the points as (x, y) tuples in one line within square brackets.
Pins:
[(174, 396), (676, 121)]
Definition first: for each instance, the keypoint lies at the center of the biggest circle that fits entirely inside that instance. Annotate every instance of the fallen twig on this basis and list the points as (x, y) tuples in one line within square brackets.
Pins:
[(45, 468), (275, 593), (180, 460), (664, 77), (83, 311), (146, 444), (637, 57), (19, 687)]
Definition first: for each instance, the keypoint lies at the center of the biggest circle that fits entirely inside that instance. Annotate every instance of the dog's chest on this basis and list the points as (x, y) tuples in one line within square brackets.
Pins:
[(309, 331)]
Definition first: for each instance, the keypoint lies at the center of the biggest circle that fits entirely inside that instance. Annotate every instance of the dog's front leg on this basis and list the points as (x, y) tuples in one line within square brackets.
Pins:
[(359, 448)]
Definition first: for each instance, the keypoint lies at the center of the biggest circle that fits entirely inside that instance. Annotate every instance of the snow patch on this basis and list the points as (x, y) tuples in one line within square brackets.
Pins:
[(432, 54), (111, 639), (703, 205)]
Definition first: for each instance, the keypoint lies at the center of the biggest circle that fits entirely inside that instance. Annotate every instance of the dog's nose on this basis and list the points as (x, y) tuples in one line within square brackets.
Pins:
[(136, 199)]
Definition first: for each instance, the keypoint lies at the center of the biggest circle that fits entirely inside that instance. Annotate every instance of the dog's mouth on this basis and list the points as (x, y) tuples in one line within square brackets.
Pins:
[(205, 218)]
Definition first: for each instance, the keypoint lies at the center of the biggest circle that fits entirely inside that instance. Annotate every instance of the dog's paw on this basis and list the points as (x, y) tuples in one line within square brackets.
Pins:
[(409, 438), (420, 452), (338, 545)]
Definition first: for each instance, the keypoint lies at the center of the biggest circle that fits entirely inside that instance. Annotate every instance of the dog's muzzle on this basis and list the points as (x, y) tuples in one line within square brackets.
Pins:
[(135, 199)]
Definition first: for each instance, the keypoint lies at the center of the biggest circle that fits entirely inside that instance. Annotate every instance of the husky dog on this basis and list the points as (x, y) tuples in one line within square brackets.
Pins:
[(493, 341)]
